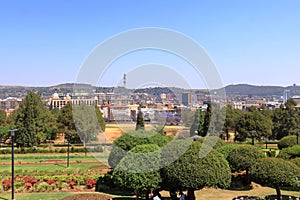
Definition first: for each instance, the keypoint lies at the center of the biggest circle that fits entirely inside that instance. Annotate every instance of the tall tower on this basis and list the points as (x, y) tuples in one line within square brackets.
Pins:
[(124, 80), (286, 95)]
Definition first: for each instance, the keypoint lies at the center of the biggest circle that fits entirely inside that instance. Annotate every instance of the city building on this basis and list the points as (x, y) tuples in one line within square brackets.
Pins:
[(186, 99), (58, 102)]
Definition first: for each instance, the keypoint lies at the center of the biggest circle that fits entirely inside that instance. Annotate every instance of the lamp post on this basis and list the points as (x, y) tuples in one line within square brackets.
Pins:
[(252, 135), (68, 158), (12, 132)]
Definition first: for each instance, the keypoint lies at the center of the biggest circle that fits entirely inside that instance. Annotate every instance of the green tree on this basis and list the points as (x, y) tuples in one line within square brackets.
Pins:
[(66, 122), (275, 173), (206, 122), (232, 118), (88, 125), (131, 139), (2, 118), (254, 120), (192, 171), (30, 121), (138, 170), (242, 157), (197, 125), (286, 120), (140, 121)]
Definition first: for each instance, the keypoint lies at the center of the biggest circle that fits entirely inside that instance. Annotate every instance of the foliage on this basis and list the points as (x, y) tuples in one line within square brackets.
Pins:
[(232, 118), (193, 171), (212, 141), (88, 125), (128, 141), (140, 121), (198, 122), (286, 120), (226, 148), (290, 152), (269, 172), (296, 161), (254, 120), (138, 170), (2, 118), (242, 157), (66, 122), (287, 141), (32, 121)]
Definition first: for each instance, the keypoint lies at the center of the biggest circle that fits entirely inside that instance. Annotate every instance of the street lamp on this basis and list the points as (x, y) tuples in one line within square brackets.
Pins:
[(253, 135), (12, 132)]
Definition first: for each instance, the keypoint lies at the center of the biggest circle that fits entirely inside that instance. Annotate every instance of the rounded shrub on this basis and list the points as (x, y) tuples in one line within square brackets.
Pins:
[(287, 141), (276, 173), (296, 161), (290, 152)]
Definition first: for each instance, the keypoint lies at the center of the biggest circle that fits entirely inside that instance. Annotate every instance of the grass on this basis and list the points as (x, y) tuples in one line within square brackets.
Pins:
[(50, 167), (217, 194), (207, 193), (36, 196)]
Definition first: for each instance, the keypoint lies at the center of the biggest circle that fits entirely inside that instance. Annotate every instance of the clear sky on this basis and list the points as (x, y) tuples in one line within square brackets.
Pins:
[(44, 43)]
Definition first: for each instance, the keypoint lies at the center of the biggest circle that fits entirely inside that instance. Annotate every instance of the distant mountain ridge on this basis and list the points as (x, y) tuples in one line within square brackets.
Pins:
[(238, 89), (245, 89)]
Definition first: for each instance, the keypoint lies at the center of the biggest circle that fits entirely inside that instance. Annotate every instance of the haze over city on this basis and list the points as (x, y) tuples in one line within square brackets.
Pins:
[(45, 43)]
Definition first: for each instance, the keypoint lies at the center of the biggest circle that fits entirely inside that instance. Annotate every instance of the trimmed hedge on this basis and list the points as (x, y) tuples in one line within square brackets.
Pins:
[(55, 150), (287, 141), (290, 152)]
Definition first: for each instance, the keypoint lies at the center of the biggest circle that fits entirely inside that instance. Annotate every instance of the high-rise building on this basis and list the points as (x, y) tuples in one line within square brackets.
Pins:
[(286, 95), (187, 99)]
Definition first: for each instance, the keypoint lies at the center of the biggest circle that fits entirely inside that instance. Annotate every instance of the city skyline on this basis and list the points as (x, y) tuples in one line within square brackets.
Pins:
[(44, 44)]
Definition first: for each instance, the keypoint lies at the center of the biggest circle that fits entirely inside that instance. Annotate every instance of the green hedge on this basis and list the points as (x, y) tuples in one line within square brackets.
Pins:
[(290, 152), (98, 148), (287, 141)]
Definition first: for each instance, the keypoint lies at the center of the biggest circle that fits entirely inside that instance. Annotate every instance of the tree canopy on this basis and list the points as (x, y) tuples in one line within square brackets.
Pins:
[(193, 172), (32, 121), (138, 170), (275, 173)]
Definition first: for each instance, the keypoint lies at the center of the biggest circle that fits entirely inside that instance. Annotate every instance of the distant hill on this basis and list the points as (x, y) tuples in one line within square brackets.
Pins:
[(239, 89), (245, 89)]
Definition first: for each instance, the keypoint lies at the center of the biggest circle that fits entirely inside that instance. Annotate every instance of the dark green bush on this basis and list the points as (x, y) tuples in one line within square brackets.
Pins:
[(287, 141), (296, 161), (290, 152), (226, 148)]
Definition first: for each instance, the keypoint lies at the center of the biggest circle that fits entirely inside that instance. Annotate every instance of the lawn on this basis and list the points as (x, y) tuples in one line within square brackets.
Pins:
[(204, 194), (36, 196)]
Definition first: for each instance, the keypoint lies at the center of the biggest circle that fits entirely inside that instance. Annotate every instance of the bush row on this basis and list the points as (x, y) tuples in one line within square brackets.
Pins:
[(55, 150)]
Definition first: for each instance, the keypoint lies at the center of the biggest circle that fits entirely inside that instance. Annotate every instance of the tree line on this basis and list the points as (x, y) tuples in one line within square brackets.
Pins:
[(263, 122), (36, 123)]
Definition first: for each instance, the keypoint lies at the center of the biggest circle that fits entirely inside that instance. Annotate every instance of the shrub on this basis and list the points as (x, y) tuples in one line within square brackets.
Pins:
[(287, 141), (90, 183), (62, 150), (290, 152), (226, 149), (242, 157), (6, 184), (276, 173), (71, 183), (296, 161)]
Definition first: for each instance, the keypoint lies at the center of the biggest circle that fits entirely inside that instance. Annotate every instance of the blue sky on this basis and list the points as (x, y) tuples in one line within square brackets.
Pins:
[(44, 43)]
